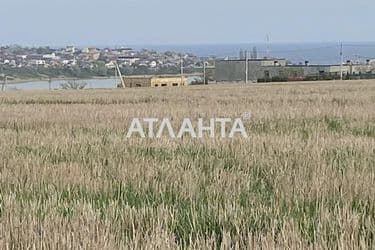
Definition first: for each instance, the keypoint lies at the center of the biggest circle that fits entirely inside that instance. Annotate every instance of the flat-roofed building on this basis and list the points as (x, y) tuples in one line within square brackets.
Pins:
[(278, 70), (235, 70), (155, 81)]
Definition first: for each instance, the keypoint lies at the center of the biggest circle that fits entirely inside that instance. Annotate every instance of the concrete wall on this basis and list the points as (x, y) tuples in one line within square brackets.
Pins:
[(230, 71), (259, 70), (336, 69), (235, 70)]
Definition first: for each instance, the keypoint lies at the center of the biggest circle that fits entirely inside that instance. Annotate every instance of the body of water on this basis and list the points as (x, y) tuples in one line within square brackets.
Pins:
[(56, 84), (315, 53)]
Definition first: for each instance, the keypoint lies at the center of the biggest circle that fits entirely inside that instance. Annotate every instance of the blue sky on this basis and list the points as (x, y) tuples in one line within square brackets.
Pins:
[(118, 22)]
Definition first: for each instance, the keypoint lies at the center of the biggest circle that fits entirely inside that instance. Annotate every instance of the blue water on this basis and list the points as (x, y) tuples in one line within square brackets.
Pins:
[(56, 84), (315, 53)]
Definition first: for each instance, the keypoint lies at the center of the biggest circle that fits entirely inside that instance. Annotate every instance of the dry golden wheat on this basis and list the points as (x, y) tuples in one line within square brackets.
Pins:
[(304, 179)]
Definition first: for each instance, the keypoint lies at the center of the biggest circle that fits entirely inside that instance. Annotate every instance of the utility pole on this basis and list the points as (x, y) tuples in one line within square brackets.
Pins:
[(268, 46), (246, 66), (342, 61), (204, 72), (4, 83), (116, 75), (204, 68), (120, 75), (182, 70), (49, 83)]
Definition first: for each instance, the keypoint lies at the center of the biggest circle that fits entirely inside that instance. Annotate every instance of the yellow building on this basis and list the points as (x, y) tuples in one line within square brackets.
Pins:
[(155, 81)]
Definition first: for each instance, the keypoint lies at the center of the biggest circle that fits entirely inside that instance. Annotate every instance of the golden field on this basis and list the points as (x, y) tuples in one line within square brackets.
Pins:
[(305, 177)]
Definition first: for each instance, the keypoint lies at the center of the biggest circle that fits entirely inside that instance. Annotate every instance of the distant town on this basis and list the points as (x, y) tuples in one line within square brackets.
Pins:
[(19, 63)]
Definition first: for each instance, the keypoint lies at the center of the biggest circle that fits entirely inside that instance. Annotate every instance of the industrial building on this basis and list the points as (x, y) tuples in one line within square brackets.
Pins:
[(274, 69), (154, 81), (235, 70)]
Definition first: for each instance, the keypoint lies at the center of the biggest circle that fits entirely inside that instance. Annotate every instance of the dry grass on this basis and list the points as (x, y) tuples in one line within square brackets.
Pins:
[(304, 179)]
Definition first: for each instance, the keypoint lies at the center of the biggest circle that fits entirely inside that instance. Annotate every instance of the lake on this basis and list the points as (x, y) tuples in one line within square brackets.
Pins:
[(107, 83)]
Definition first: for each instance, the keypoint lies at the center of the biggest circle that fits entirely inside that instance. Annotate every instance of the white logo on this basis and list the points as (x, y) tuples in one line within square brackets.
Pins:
[(156, 128)]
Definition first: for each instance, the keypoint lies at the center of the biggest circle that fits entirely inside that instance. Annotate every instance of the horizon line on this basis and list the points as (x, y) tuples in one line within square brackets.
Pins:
[(182, 44)]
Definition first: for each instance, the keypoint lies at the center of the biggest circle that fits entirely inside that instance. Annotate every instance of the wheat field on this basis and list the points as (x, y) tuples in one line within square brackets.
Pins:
[(304, 179)]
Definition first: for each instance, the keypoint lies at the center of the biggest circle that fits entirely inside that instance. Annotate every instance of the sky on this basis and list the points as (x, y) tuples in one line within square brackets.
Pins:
[(122, 22)]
